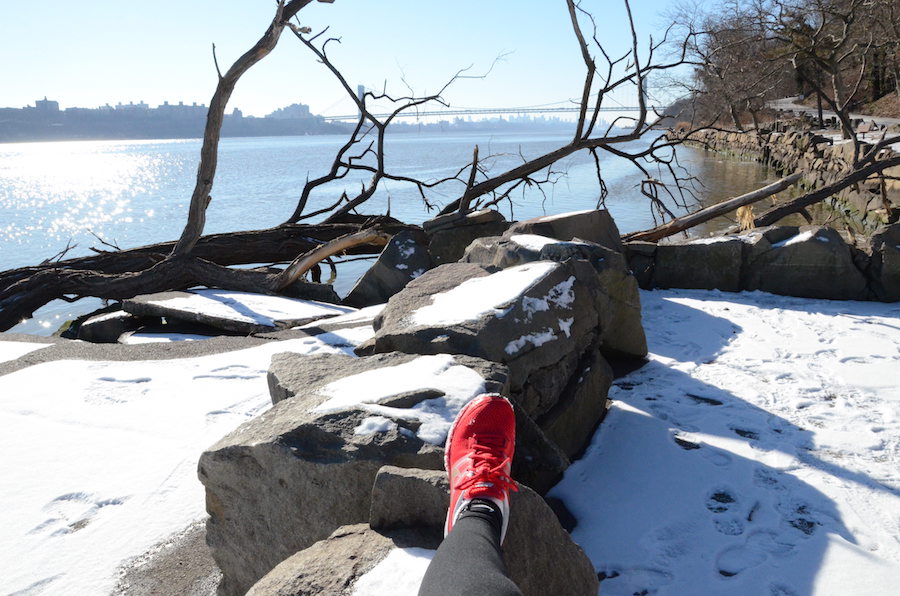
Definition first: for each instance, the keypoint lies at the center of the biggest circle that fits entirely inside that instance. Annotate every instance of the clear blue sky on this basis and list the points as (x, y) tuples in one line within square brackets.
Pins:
[(89, 53)]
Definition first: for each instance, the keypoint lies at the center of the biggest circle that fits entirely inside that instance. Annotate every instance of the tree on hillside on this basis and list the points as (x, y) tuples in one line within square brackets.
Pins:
[(195, 259)]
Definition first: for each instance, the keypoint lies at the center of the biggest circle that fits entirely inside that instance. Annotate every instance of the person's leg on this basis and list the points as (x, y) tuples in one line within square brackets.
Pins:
[(478, 457), (469, 561)]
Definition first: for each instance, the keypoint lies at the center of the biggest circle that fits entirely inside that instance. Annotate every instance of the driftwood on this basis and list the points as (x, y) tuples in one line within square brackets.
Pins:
[(128, 273), (703, 215)]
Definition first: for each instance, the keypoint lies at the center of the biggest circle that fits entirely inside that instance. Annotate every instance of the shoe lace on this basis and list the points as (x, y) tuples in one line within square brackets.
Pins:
[(487, 466)]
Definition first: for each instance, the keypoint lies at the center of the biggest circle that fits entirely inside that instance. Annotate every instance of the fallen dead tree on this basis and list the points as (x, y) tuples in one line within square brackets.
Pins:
[(681, 224), (198, 260)]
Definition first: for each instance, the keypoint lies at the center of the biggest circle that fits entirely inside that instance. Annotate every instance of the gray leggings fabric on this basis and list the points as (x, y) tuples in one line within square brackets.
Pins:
[(469, 562)]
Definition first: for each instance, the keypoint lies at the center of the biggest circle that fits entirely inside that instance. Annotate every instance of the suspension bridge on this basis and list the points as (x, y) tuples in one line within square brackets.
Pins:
[(489, 111)]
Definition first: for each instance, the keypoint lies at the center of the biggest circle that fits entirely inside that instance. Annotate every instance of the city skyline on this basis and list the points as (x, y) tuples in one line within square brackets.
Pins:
[(90, 55)]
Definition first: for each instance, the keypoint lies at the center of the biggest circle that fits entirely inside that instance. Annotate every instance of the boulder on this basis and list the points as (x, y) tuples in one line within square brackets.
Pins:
[(809, 262), (540, 319), (540, 556), (581, 408), (332, 566), (290, 477), (641, 258), (536, 318), (449, 235), (403, 259), (108, 327), (238, 312), (595, 225), (615, 290), (886, 262), (701, 264)]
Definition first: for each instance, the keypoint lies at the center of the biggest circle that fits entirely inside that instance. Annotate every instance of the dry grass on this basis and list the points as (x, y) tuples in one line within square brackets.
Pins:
[(745, 217)]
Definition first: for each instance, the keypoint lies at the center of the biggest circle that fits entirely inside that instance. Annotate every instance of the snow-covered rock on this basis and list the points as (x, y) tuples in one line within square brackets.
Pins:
[(404, 258), (239, 312), (290, 477)]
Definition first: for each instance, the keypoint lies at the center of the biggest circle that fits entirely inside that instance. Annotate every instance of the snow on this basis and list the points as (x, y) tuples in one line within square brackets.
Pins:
[(400, 572), (757, 452), (536, 339), (565, 325), (441, 372), (357, 316), (158, 338), (562, 215), (100, 458), (711, 240), (801, 237), (479, 296), (536, 242), (11, 350), (532, 241), (251, 308), (374, 424)]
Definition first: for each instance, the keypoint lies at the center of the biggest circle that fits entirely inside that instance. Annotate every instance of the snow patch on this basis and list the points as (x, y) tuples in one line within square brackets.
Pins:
[(441, 372), (399, 574), (374, 424), (477, 297), (532, 241), (565, 325), (711, 240), (13, 350), (251, 308), (103, 457), (801, 237), (536, 339)]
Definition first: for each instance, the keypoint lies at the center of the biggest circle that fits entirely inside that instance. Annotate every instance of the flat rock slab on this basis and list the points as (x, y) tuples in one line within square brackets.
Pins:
[(238, 312)]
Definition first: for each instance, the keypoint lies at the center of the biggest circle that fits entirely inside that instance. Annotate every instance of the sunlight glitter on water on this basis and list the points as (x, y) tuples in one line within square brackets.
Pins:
[(62, 189)]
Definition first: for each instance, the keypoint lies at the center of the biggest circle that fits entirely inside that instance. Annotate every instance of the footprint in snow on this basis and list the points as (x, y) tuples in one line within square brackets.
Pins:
[(726, 510), (72, 512), (631, 581), (755, 550)]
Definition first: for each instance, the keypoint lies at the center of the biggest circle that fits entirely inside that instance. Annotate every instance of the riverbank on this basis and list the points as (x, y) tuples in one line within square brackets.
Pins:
[(864, 207), (804, 437)]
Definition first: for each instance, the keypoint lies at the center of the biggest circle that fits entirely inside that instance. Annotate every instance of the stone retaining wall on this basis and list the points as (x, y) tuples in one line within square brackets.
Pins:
[(822, 161)]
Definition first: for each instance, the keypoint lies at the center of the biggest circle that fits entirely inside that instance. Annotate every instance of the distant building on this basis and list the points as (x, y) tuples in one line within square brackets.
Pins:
[(46, 106), (132, 106), (292, 112)]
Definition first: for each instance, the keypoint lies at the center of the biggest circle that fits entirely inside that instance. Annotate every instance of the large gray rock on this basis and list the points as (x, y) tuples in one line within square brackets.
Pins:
[(108, 327), (886, 262), (540, 555), (594, 225), (403, 259), (449, 235), (810, 262), (408, 510), (290, 477), (702, 264), (532, 317), (642, 262), (238, 312), (582, 406), (332, 566), (539, 319), (615, 289)]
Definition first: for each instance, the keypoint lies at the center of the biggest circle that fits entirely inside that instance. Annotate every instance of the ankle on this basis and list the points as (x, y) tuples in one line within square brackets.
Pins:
[(485, 508)]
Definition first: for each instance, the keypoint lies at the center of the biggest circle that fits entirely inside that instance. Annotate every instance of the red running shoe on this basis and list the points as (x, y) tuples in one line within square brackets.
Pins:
[(478, 456)]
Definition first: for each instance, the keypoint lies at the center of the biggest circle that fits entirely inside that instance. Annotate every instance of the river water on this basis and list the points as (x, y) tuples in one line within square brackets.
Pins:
[(129, 193)]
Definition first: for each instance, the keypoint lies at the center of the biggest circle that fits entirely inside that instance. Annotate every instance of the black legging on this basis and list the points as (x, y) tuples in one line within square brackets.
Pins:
[(469, 561)]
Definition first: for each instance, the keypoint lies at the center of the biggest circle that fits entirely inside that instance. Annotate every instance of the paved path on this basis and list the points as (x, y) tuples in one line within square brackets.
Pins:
[(788, 103)]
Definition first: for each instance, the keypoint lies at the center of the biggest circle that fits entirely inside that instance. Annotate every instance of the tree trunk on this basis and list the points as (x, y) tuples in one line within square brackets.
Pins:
[(773, 215), (698, 217)]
